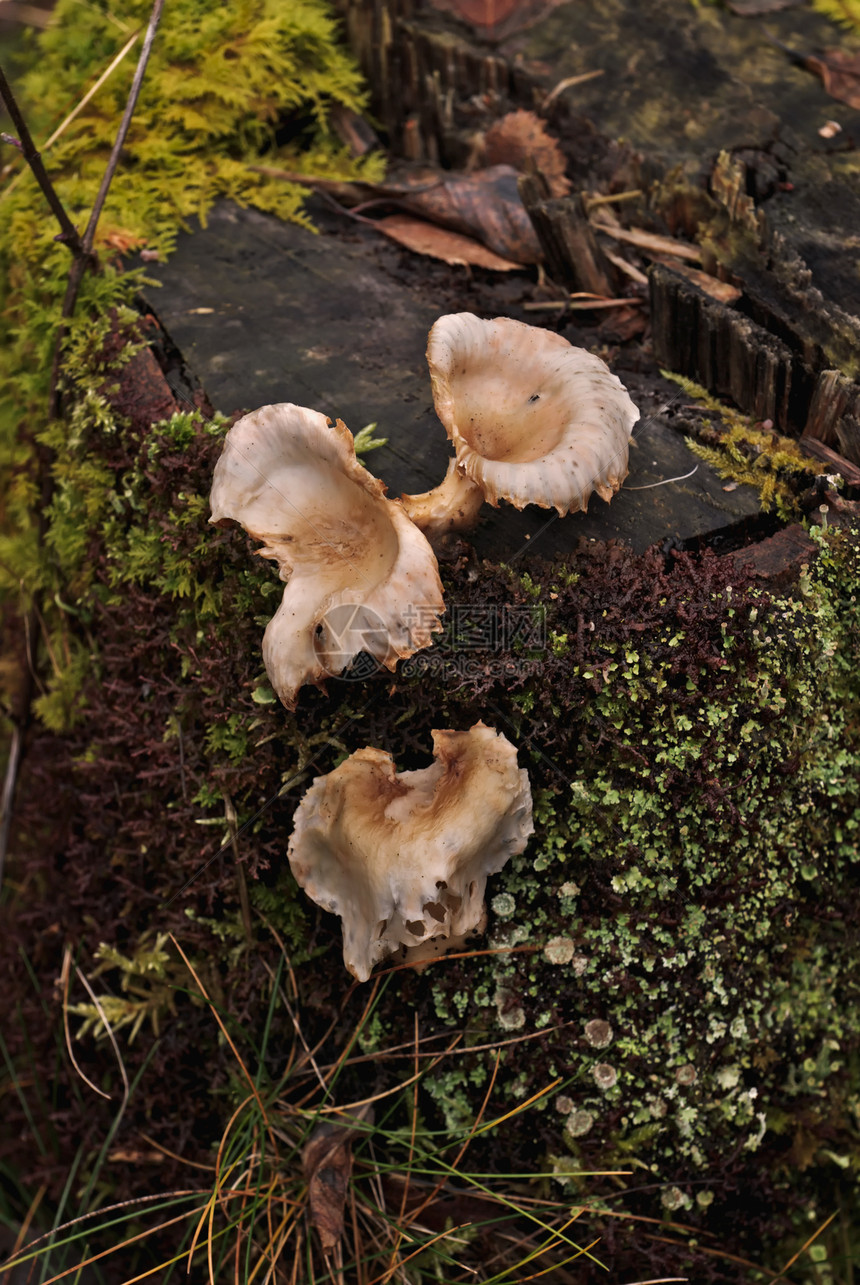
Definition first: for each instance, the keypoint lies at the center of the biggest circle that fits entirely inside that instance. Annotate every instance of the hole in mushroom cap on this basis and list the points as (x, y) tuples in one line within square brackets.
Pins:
[(435, 911), (416, 927), (381, 927), (440, 883)]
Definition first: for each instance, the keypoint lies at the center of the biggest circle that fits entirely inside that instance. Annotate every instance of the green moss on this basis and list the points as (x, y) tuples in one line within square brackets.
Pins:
[(219, 83), (774, 465), (846, 12), (692, 885)]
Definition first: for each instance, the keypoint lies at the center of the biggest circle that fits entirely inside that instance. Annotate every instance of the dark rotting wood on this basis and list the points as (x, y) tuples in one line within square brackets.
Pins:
[(573, 257), (834, 414), (721, 349), (779, 558), (834, 463), (731, 355), (769, 211)]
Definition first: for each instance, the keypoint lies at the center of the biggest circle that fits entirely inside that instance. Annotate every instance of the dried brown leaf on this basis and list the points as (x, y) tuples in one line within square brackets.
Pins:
[(840, 74), (497, 18), (622, 324), (327, 1165), (440, 243), (521, 139), (485, 205)]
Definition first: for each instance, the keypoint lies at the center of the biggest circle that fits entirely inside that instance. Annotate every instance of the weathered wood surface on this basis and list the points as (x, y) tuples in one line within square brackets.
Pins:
[(720, 130), (338, 321)]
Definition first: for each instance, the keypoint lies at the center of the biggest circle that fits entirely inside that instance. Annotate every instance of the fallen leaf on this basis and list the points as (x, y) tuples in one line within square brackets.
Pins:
[(622, 324), (840, 74), (441, 243), (497, 18), (485, 205), (521, 139), (327, 1165), (121, 239)]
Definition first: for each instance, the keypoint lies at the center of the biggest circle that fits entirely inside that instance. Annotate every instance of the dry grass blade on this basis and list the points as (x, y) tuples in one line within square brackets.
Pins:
[(77, 1268), (568, 83), (224, 1030), (387, 1093), (651, 241), (92, 91), (717, 1253), (803, 1248), (173, 1155), (409, 1161), (28, 1219), (661, 1280), (521, 1106), (414, 1216), (65, 977)]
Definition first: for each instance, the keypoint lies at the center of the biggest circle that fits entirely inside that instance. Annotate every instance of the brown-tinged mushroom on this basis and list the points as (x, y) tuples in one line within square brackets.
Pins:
[(533, 420), (360, 575), (403, 857)]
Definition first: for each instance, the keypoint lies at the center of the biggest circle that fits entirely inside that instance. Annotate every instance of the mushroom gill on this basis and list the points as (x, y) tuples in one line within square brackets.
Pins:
[(533, 420), (403, 857), (360, 575)]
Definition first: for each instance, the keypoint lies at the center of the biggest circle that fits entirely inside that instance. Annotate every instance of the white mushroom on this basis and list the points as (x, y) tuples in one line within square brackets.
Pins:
[(360, 575), (403, 857), (533, 421)]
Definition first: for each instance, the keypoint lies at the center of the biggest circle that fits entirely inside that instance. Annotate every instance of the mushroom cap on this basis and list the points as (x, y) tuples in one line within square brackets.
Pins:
[(360, 575), (533, 419), (403, 857)]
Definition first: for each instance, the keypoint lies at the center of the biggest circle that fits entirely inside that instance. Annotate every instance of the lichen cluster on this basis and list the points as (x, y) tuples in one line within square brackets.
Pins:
[(690, 883)]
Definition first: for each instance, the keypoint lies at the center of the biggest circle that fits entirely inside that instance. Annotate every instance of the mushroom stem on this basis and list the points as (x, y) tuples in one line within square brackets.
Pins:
[(453, 505)]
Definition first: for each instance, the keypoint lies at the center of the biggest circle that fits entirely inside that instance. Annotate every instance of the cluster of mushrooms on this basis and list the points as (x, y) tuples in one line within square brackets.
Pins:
[(403, 858)]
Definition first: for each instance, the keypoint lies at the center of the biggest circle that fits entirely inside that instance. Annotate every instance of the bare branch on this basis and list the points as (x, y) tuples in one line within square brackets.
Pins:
[(134, 93), (80, 264), (69, 233)]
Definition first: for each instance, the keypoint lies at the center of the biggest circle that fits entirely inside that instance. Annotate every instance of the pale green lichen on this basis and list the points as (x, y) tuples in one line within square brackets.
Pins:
[(559, 950)]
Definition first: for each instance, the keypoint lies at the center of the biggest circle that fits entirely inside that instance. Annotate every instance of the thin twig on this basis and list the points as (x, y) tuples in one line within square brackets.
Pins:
[(244, 902), (85, 257), (133, 95), (76, 110), (69, 233), (8, 795)]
